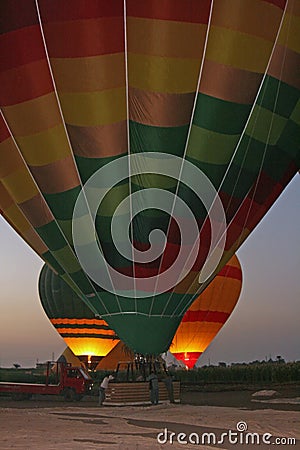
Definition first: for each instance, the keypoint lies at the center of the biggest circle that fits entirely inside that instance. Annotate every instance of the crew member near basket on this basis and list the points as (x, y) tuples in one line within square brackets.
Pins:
[(153, 386), (102, 388)]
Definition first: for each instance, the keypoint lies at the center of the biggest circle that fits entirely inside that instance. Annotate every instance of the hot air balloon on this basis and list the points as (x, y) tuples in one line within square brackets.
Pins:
[(142, 142), (90, 339), (207, 315)]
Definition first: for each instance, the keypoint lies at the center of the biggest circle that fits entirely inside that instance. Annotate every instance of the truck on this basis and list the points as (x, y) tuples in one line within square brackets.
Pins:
[(60, 379)]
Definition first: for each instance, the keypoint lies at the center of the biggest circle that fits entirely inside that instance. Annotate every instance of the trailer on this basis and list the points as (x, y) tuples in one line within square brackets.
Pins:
[(60, 379)]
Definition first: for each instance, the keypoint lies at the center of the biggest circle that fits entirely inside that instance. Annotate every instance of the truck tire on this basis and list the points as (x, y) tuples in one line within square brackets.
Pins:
[(69, 395)]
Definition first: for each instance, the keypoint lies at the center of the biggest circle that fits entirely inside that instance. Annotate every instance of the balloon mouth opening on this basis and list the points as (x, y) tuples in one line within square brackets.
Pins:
[(189, 359), (90, 361)]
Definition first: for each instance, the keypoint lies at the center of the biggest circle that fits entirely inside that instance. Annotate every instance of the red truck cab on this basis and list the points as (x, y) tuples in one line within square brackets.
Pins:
[(76, 381), (71, 382)]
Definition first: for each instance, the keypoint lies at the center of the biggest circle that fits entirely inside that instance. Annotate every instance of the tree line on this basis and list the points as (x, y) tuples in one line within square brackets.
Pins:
[(252, 373)]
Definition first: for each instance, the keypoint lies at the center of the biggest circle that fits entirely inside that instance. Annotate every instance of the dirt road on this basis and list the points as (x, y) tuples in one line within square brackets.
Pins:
[(53, 424)]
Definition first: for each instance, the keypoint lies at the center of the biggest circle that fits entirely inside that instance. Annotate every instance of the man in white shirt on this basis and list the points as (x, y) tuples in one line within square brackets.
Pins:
[(102, 388)]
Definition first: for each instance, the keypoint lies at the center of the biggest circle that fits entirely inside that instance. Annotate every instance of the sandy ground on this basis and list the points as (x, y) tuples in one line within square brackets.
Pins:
[(59, 425)]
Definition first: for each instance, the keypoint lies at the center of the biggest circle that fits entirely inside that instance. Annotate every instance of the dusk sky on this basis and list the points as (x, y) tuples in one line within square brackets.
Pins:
[(265, 322)]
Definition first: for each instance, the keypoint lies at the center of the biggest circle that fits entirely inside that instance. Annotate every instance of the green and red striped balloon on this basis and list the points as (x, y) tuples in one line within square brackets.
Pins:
[(89, 338)]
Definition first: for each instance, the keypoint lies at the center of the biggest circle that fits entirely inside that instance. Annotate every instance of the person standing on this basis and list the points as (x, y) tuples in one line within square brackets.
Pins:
[(102, 388), (154, 395), (168, 381)]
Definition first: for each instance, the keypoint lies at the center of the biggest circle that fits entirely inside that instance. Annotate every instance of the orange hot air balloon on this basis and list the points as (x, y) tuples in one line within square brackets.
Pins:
[(88, 337), (205, 318)]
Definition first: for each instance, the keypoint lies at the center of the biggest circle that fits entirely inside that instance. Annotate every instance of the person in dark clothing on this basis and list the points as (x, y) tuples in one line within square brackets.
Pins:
[(168, 381), (153, 385)]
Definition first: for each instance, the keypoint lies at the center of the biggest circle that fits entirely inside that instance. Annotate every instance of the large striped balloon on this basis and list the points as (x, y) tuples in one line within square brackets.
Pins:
[(89, 338), (207, 315), (174, 111)]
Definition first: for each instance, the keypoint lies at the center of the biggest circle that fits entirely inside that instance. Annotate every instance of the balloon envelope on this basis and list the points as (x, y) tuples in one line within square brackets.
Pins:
[(207, 315), (87, 336), (141, 100)]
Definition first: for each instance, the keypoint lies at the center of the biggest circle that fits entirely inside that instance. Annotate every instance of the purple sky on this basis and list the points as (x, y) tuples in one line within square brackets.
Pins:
[(265, 322)]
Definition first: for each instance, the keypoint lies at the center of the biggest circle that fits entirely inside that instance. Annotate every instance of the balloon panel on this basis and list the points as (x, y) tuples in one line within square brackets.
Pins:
[(210, 83)]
